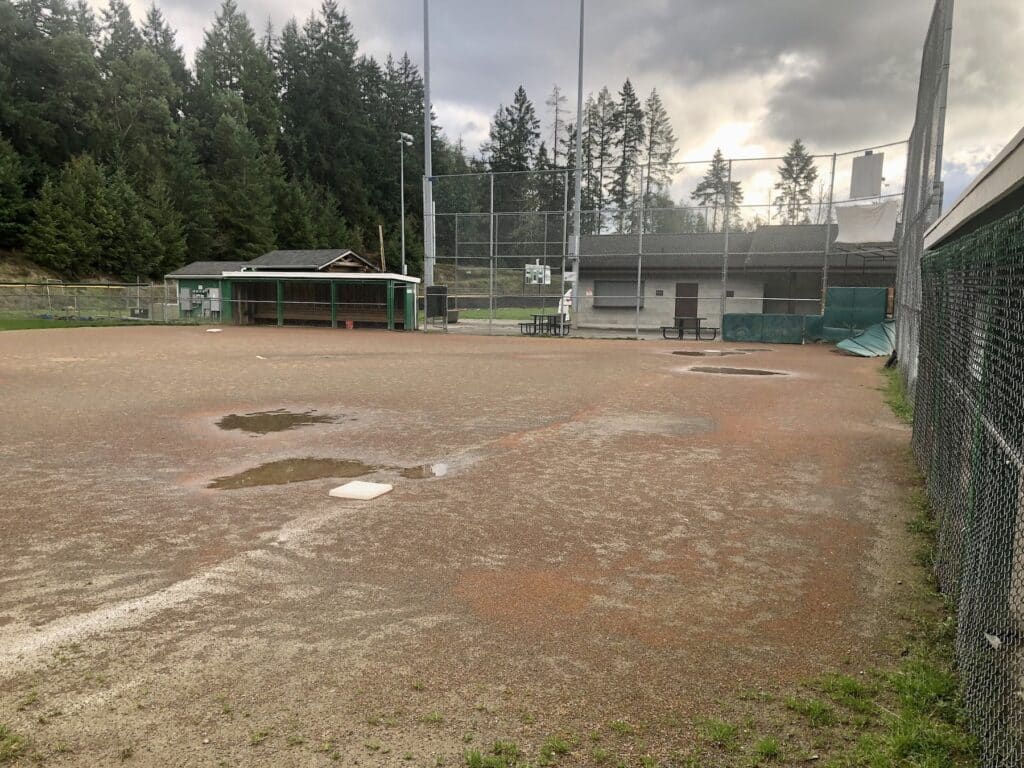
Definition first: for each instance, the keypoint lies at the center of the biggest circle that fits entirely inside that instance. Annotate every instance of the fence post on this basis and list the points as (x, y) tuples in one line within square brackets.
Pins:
[(565, 234), (639, 257), (490, 291), (725, 249)]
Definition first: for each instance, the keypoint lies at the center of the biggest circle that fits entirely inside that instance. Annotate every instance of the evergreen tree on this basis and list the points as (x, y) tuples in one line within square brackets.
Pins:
[(170, 249), (598, 156), (797, 175), (556, 102), (515, 131), (628, 127), (715, 191), (161, 39), (72, 222), (659, 152), (120, 37), (231, 61), (130, 249), (13, 207), (189, 190), (242, 186)]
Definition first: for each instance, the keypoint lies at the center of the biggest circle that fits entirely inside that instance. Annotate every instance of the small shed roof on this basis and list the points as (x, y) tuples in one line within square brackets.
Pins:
[(207, 268), (317, 259), (268, 274)]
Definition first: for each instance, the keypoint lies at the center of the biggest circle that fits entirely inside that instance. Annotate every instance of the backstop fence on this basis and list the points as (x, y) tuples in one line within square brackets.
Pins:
[(688, 238), (923, 201), (969, 441)]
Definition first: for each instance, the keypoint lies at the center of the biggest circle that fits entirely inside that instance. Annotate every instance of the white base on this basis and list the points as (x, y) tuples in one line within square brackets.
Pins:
[(360, 489)]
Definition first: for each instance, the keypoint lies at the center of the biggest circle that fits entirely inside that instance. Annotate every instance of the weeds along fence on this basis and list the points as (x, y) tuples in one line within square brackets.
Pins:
[(969, 441), (658, 243)]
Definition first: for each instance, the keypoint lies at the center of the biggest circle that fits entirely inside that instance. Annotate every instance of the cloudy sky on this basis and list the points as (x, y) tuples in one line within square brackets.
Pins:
[(744, 75)]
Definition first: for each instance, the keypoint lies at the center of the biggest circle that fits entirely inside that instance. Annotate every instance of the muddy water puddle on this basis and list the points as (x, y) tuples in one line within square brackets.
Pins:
[(736, 371), (287, 471), (280, 420), (424, 471), (709, 352)]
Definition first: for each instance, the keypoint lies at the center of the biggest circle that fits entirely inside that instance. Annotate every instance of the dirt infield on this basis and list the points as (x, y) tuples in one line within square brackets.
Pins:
[(615, 538)]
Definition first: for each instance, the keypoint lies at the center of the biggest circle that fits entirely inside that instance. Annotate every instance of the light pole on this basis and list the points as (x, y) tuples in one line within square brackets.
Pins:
[(428, 189), (578, 173), (404, 140)]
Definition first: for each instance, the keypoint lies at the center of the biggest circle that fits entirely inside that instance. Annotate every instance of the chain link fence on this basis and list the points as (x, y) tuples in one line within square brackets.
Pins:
[(89, 302), (923, 200), (659, 243), (969, 441)]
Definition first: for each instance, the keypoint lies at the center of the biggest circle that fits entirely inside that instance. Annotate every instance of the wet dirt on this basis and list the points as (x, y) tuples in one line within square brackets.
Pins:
[(424, 471), (291, 471), (736, 371), (708, 352), (280, 420)]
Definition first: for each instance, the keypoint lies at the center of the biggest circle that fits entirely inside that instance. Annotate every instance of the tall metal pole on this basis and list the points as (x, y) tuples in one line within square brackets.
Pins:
[(565, 233), (490, 291), (574, 251), (640, 258), (828, 234), (428, 171), (725, 249), (401, 165)]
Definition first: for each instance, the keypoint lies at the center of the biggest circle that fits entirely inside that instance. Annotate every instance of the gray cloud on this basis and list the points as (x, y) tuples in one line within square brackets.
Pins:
[(838, 74)]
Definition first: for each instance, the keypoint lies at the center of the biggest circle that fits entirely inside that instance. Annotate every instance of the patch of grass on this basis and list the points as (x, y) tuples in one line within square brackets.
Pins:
[(552, 749), (622, 728), (12, 745), (896, 396), (646, 761), (295, 740), (432, 718), (528, 718), (768, 749), (26, 323), (818, 713), (850, 692), (418, 686), (372, 745), (258, 737), (600, 755), (503, 754), (719, 733)]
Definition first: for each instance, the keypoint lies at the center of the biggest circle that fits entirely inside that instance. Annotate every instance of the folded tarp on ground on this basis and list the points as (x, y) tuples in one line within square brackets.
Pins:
[(877, 341)]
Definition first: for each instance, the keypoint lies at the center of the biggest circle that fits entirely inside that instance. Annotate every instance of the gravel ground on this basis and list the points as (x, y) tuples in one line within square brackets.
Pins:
[(616, 538)]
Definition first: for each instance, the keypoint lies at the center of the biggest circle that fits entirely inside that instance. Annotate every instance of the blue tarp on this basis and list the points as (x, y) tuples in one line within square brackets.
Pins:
[(877, 341)]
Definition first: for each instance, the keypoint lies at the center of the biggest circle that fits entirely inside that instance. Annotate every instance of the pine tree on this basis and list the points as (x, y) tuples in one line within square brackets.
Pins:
[(598, 156), (242, 186), (231, 60), (13, 207), (72, 221), (797, 175), (628, 125), (161, 39), (515, 131), (120, 37), (189, 189), (131, 249), (556, 102), (659, 152), (715, 191), (170, 249)]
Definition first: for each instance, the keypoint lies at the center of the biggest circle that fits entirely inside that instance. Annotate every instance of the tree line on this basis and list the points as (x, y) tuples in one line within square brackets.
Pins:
[(628, 156), (117, 158)]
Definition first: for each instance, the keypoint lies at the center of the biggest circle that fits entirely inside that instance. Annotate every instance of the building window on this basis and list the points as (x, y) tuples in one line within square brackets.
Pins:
[(730, 294), (617, 294)]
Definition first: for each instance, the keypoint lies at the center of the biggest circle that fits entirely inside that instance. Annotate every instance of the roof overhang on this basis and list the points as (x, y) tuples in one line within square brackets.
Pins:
[(994, 192), (353, 277)]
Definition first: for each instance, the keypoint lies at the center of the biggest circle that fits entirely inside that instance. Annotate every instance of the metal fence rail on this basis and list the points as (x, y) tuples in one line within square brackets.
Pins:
[(969, 441)]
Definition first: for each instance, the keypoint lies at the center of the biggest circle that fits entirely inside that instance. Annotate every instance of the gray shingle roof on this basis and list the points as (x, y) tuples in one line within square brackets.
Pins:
[(312, 259), (207, 268)]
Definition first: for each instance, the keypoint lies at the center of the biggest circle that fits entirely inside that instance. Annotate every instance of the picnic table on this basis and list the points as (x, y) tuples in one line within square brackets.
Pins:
[(684, 324), (546, 325)]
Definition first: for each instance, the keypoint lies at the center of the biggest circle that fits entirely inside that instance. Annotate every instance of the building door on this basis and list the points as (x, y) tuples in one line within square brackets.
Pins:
[(686, 300)]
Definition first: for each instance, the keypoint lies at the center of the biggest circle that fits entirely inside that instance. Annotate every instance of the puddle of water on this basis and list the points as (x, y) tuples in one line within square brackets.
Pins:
[(262, 422), (736, 371), (292, 471), (424, 471), (708, 352)]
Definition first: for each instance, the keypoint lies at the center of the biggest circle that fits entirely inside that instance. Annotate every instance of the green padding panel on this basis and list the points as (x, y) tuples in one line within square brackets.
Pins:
[(854, 309), (813, 325), (738, 327), (783, 329), (769, 329)]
